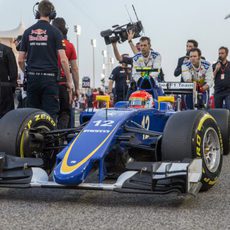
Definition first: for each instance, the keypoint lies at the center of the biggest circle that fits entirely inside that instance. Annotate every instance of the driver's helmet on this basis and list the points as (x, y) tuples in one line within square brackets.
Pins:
[(141, 100)]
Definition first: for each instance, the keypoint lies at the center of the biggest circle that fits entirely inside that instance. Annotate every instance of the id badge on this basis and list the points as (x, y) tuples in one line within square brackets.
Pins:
[(222, 76)]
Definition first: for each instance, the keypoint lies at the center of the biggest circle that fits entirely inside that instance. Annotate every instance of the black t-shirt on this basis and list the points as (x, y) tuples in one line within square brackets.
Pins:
[(120, 76), (41, 42), (222, 79)]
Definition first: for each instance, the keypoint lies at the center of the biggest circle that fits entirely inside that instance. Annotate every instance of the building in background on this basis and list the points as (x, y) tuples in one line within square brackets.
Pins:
[(7, 37)]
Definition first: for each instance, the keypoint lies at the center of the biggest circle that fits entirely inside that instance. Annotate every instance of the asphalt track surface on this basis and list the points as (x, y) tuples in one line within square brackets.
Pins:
[(71, 209)]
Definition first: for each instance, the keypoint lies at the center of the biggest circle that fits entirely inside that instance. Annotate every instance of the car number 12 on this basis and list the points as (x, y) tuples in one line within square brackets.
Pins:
[(107, 123)]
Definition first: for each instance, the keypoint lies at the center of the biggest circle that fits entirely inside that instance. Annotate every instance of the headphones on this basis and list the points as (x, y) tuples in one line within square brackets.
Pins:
[(52, 15)]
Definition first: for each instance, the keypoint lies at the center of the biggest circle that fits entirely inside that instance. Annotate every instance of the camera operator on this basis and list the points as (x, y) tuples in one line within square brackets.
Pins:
[(199, 71), (65, 107), (8, 78), (137, 48), (41, 44), (121, 75), (222, 79), (146, 58)]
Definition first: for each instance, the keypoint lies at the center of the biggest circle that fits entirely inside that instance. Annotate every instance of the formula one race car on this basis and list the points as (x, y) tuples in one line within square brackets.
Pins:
[(141, 146)]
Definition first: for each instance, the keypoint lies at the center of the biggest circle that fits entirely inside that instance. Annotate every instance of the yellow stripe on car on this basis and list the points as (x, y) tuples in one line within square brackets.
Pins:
[(66, 169)]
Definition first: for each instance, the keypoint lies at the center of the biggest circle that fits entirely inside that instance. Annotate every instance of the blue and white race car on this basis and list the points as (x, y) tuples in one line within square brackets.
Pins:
[(132, 148)]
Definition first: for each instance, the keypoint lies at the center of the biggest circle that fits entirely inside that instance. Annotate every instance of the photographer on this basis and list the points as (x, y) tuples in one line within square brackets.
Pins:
[(41, 44), (8, 78), (65, 107), (121, 75), (222, 79)]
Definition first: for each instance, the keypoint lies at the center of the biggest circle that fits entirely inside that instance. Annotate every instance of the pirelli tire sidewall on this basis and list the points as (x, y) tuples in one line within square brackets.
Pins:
[(34, 120), (206, 121)]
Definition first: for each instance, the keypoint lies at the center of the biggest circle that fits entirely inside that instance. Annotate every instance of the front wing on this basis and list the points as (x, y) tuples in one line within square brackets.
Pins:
[(140, 177)]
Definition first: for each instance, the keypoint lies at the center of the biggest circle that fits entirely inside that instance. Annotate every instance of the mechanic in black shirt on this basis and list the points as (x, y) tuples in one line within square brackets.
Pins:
[(8, 78), (222, 79), (121, 75), (41, 44)]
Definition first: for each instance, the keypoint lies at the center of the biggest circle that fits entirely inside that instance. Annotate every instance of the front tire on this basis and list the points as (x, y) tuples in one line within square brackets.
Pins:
[(15, 127), (194, 134), (222, 117)]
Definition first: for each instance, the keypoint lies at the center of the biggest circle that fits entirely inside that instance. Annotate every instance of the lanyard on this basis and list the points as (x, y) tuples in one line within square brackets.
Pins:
[(148, 59), (223, 69)]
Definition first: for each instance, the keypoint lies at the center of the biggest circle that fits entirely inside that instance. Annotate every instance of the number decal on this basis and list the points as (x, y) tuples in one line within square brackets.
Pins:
[(107, 123), (145, 124)]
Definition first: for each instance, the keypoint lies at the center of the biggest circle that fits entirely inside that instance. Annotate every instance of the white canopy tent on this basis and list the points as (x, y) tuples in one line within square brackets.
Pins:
[(7, 37)]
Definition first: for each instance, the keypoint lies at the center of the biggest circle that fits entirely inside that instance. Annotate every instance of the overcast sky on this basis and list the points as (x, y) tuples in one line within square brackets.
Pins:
[(169, 23)]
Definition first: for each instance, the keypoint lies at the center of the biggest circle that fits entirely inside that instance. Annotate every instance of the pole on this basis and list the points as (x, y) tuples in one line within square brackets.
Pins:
[(78, 52), (93, 43), (93, 67)]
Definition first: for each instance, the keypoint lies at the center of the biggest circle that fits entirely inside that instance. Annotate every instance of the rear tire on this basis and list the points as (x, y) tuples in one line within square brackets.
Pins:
[(188, 134)]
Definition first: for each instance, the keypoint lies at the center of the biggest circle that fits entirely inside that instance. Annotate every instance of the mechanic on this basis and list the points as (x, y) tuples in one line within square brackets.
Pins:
[(146, 58), (65, 107), (121, 75), (191, 44), (222, 79), (41, 44), (137, 48), (199, 71), (8, 78)]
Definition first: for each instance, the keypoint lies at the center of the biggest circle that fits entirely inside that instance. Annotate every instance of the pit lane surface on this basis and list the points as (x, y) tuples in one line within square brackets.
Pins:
[(68, 209)]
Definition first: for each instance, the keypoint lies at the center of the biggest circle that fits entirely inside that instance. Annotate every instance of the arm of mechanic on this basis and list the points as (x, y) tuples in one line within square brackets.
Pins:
[(110, 88), (156, 65), (65, 66), (130, 37), (75, 75), (112, 78), (23, 52), (185, 73), (116, 52), (209, 79), (21, 60)]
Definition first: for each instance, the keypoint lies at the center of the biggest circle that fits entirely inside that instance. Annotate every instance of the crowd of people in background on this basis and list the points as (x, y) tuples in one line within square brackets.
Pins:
[(48, 78)]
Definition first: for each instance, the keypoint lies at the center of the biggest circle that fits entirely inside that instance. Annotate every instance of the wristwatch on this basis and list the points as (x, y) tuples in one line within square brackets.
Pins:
[(130, 41)]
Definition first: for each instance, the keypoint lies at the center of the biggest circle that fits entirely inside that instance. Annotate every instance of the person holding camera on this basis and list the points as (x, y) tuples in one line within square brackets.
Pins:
[(137, 48), (40, 46), (65, 107), (121, 75), (145, 58), (8, 78), (222, 79), (199, 71)]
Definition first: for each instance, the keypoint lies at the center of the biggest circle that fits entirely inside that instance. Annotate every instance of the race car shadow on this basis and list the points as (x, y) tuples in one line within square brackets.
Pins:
[(93, 198)]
